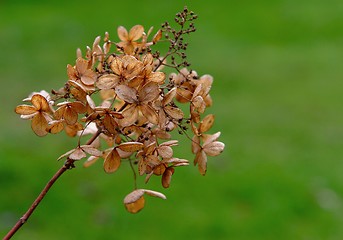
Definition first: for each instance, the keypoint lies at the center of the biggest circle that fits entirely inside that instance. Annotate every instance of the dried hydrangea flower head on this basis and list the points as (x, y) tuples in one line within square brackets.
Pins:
[(119, 92)]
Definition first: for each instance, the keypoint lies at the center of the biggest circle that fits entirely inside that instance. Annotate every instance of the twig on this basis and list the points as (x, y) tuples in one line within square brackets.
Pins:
[(69, 164)]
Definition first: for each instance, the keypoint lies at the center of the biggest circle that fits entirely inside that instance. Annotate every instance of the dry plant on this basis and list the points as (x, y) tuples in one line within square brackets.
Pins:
[(126, 107)]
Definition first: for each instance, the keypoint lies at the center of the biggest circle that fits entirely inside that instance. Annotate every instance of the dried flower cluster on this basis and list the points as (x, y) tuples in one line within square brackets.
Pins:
[(126, 99)]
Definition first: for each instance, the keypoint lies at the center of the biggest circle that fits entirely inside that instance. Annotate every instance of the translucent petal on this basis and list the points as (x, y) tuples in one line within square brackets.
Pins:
[(122, 33), (77, 154), (136, 32), (112, 162), (91, 150), (208, 138), (165, 151)]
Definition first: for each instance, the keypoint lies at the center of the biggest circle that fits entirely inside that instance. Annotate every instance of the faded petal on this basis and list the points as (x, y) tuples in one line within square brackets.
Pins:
[(214, 148), (136, 32), (122, 33), (25, 109), (206, 123), (126, 93), (150, 113), (131, 146), (112, 162), (39, 125), (107, 81), (174, 112)]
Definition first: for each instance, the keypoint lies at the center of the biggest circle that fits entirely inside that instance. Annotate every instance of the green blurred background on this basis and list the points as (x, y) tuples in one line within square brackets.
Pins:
[(277, 96)]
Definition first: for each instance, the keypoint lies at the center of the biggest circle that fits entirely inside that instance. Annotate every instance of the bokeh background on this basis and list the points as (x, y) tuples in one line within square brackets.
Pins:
[(277, 96)]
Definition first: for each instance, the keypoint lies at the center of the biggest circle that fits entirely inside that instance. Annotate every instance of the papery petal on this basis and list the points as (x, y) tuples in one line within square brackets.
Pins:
[(77, 154), (40, 103), (165, 151), (201, 159), (134, 202), (166, 177), (126, 93), (148, 92), (70, 116), (206, 123), (112, 162), (25, 110), (136, 32), (174, 112), (157, 77), (149, 112), (169, 96), (107, 81), (130, 146), (214, 148), (122, 33), (39, 125)]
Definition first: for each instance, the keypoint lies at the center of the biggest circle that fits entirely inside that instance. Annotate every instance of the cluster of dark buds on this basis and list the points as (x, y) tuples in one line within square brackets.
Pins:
[(123, 107)]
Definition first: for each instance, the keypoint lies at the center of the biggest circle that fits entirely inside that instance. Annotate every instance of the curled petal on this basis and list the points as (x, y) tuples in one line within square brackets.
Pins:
[(25, 110), (131, 146)]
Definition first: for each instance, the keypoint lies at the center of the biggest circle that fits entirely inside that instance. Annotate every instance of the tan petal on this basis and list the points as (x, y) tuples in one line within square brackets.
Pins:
[(112, 162), (136, 32), (131, 146), (126, 93), (77, 154), (90, 161), (88, 77), (214, 148), (130, 115), (107, 81), (169, 96), (55, 127), (148, 92), (166, 177), (157, 36), (110, 124), (25, 109), (117, 66), (150, 113), (201, 159), (91, 150), (79, 107), (134, 201), (208, 138), (122, 33), (70, 116), (165, 151), (157, 77), (174, 112), (195, 144), (39, 125), (81, 65), (71, 72), (206, 123)]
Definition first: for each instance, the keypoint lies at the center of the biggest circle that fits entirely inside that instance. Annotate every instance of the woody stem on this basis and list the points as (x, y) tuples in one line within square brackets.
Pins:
[(69, 164)]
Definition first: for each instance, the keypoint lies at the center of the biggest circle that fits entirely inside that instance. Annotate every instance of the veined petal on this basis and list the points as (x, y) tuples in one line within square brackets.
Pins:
[(112, 162), (122, 33), (149, 113), (214, 148), (126, 93), (136, 32), (39, 125), (25, 109)]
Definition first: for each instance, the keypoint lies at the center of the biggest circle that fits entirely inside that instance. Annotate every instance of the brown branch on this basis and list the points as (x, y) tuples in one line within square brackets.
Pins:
[(69, 164)]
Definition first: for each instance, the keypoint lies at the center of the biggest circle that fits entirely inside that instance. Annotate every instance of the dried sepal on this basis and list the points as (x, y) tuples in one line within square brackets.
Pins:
[(112, 161)]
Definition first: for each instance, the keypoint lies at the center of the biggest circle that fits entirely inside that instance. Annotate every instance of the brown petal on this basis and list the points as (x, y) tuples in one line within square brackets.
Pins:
[(126, 93), (112, 162), (157, 77), (208, 138), (70, 116), (201, 159), (136, 32), (25, 109), (107, 81), (71, 72), (40, 103), (131, 146), (157, 36), (148, 92), (174, 112), (169, 96), (88, 77), (81, 65), (165, 151), (55, 126), (214, 148), (206, 123), (149, 113), (110, 124), (91, 150), (39, 125), (195, 144), (79, 107), (130, 115), (166, 177), (134, 201)]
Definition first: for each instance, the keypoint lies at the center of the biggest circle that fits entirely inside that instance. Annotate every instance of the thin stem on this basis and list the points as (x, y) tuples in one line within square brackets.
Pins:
[(69, 164)]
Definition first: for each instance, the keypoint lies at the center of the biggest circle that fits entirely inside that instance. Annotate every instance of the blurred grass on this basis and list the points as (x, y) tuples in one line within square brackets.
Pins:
[(277, 99)]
